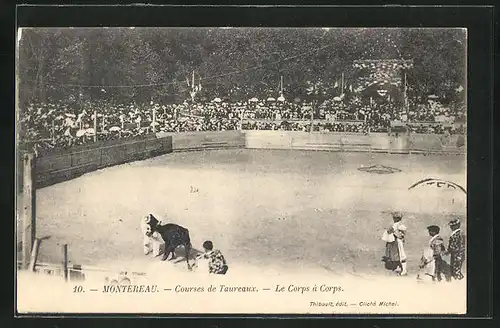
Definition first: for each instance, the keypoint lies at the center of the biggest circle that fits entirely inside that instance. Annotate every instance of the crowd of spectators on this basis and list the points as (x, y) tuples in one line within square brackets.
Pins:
[(65, 124)]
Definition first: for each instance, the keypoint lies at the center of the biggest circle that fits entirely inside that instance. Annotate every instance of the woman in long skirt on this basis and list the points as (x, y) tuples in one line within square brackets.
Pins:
[(395, 256)]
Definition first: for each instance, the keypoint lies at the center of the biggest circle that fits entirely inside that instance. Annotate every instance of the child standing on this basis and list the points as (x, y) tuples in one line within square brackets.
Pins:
[(437, 249)]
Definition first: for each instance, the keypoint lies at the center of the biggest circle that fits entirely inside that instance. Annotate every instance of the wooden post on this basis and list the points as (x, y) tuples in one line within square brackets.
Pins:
[(65, 261), (241, 119), (28, 213), (342, 84), (53, 132), (312, 117), (34, 255), (95, 126), (407, 105), (154, 120)]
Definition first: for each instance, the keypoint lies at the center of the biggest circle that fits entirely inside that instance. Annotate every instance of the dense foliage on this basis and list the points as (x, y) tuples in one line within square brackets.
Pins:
[(145, 64)]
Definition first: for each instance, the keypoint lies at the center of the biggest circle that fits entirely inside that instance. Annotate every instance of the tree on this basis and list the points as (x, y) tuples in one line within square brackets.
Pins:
[(58, 63)]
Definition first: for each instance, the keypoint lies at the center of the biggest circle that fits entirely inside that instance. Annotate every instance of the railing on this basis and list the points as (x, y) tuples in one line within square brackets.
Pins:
[(71, 163), (355, 142), (79, 273), (66, 165), (190, 141)]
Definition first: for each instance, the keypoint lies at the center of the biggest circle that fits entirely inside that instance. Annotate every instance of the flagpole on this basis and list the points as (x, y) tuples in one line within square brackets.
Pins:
[(342, 84), (95, 126), (241, 119), (312, 118), (154, 119), (406, 101), (281, 87), (122, 124), (53, 132)]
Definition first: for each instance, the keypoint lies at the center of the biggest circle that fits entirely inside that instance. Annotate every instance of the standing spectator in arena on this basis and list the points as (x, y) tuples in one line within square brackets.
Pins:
[(436, 243), (395, 256), (427, 265), (456, 249), (216, 261)]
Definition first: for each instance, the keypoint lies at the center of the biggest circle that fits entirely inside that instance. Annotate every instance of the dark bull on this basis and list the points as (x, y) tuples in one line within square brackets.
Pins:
[(172, 234)]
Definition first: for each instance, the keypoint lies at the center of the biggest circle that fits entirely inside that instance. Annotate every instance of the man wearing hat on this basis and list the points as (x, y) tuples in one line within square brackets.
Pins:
[(395, 256), (456, 249), (436, 243)]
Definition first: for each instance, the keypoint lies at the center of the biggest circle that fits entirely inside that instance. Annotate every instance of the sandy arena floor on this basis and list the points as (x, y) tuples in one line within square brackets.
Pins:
[(261, 208), (283, 213)]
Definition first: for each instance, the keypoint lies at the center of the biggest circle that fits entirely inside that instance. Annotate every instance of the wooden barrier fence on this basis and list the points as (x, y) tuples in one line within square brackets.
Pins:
[(355, 142), (58, 167)]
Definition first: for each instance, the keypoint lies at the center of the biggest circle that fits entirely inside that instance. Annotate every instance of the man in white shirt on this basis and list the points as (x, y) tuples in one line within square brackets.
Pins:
[(432, 261), (152, 243)]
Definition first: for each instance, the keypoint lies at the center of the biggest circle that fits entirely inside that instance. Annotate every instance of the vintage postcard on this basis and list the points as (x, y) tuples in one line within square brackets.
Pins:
[(241, 170)]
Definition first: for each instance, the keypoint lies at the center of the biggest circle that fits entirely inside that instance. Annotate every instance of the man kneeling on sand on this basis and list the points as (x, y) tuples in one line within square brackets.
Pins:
[(216, 261)]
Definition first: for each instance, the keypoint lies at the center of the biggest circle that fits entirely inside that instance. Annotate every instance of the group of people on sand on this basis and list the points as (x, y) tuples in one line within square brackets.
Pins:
[(433, 266), (216, 261)]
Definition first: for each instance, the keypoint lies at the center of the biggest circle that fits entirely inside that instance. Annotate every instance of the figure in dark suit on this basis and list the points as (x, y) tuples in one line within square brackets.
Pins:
[(456, 249)]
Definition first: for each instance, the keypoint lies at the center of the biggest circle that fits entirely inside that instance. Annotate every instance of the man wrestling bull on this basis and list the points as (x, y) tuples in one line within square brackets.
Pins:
[(216, 261), (152, 241), (173, 236)]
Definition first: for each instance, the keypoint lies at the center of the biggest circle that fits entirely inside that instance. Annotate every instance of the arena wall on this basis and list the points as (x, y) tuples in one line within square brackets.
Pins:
[(190, 141), (56, 168), (437, 143), (352, 142)]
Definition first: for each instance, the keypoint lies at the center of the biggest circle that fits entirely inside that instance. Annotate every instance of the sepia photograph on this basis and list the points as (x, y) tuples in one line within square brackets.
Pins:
[(241, 170)]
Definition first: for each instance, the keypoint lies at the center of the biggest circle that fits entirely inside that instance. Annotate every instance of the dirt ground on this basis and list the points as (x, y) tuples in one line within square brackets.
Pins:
[(278, 216), (262, 208)]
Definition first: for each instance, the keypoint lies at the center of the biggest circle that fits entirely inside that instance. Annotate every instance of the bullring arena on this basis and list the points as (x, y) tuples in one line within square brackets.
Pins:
[(281, 206)]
